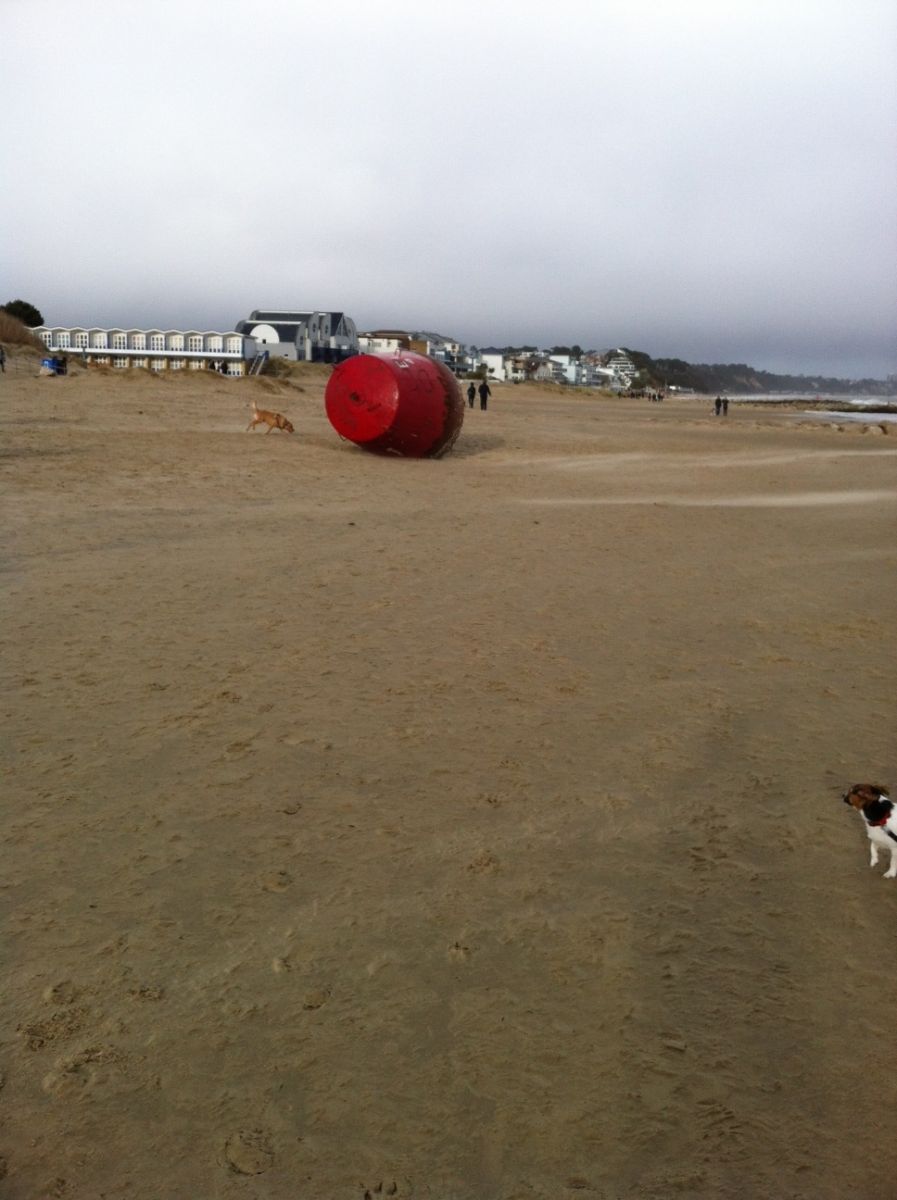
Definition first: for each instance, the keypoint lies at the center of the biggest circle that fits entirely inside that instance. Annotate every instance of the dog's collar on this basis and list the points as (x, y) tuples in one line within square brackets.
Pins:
[(881, 825)]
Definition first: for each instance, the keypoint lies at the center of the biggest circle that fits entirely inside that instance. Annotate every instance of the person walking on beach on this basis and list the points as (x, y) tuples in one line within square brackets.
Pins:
[(485, 393), (717, 405), (471, 393), (725, 406), (3, 362)]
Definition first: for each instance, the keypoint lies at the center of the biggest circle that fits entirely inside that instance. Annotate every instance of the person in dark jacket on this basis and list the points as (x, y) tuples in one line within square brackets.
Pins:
[(485, 393), (471, 393)]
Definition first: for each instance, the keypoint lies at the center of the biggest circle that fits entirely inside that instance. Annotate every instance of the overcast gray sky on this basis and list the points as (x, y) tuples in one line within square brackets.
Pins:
[(711, 179)]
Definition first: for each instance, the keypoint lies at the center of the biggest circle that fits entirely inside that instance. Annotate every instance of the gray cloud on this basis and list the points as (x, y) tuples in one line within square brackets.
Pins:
[(714, 180)]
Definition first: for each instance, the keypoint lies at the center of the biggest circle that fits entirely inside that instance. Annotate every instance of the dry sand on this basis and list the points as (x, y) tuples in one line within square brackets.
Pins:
[(465, 829)]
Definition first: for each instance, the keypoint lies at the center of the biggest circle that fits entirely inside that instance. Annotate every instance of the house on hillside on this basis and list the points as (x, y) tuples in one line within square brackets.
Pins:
[(622, 366), (521, 367), (443, 349), (565, 368), (433, 345), (384, 341), (302, 336), (594, 375), (494, 362), (513, 368)]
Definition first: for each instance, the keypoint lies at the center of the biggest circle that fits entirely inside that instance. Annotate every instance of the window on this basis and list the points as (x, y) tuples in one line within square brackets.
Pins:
[(194, 343), (138, 341), (119, 362), (63, 341), (81, 341), (157, 364), (119, 341), (157, 341)]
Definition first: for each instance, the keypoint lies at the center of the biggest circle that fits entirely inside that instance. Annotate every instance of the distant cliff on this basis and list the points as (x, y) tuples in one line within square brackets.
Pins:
[(741, 379)]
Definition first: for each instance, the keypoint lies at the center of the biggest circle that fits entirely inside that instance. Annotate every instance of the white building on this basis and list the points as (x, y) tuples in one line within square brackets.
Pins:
[(155, 349), (434, 345), (565, 368), (623, 367), (384, 341), (494, 362), (302, 336), (443, 349), (597, 376)]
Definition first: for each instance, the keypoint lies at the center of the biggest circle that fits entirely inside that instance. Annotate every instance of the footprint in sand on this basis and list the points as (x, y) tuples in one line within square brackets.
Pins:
[(240, 748), (279, 881), (56, 1027), (147, 991), (249, 1152), (387, 1187), (483, 863), (80, 1072), (64, 992), (493, 799), (69, 1080)]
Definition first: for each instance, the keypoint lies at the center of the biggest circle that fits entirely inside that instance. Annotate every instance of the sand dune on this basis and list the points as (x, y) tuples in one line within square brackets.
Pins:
[(457, 829)]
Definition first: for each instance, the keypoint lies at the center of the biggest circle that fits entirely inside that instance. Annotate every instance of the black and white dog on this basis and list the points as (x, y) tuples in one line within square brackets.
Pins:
[(880, 819)]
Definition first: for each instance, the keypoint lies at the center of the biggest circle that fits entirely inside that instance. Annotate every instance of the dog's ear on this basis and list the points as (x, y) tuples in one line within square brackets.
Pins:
[(868, 792)]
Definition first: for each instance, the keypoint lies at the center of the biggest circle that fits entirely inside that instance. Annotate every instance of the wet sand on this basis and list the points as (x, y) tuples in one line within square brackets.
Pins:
[(457, 829)]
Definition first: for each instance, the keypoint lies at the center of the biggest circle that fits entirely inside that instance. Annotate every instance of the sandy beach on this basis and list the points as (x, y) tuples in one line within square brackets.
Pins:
[(458, 829)]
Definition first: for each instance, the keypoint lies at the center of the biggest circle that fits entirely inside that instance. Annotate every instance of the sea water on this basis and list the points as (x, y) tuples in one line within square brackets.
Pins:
[(873, 409)]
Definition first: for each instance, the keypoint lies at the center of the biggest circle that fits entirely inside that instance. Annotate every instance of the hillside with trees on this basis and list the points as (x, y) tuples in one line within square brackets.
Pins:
[(741, 379), (23, 311)]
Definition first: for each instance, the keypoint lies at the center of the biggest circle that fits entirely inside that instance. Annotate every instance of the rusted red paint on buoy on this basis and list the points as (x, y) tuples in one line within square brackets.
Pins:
[(401, 403)]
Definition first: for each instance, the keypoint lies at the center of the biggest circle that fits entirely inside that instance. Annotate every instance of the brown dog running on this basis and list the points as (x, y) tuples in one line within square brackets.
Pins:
[(274, 420)]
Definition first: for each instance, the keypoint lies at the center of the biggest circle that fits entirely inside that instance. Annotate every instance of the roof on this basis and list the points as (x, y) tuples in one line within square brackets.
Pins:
[(282, 316), (433, 337)]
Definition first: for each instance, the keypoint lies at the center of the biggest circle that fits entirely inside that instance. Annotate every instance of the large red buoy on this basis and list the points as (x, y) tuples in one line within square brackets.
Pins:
[(399, 403)]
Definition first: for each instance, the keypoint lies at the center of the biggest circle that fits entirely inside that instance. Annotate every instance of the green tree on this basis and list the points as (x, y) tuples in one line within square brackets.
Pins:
[(24, 312)]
